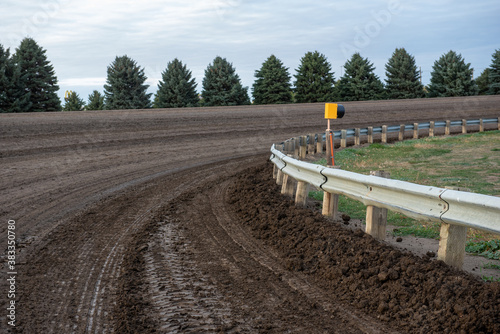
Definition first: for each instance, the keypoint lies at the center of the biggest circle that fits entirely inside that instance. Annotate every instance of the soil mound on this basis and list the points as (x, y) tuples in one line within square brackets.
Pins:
[(414, 294)]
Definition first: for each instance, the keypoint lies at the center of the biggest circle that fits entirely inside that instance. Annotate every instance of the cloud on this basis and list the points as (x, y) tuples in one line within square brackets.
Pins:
[(92, 82), (83, 37)]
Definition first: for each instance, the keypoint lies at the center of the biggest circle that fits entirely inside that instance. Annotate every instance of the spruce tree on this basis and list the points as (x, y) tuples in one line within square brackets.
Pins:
[(222, 86), (73, 102), (4, 79), (451, 76), (314, 79), (494, 75), (9, 82), (359, 81), (483, 82), (178, 89), (37, 79), (125, 86), (96, 101), (403, 77), (272, 84)]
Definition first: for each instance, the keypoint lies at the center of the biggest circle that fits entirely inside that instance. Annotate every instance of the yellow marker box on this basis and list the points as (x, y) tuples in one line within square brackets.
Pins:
[(334, 110)]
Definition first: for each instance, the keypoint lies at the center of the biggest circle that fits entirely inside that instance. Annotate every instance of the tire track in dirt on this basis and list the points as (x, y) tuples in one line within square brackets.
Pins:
[(252, 279), (84, 291), (184, 300), (265, 257)]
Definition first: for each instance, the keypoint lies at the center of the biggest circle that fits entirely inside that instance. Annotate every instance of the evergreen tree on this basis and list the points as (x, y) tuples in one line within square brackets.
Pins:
[(403, 78), (96, 101), (125, 86), (494, 75), (37, 79), (272, 84), (5, 81), (359, 81), (177, 89), (11, 94), (314, 79), (483, 82), (73, 102), (222, 86), (451, 76)]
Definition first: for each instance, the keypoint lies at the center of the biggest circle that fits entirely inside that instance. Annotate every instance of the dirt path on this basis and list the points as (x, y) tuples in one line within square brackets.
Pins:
[(90, 193)]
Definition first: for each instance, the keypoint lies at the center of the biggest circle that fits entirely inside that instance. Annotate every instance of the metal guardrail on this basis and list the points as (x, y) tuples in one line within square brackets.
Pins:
[(417, 201), (410, 127)]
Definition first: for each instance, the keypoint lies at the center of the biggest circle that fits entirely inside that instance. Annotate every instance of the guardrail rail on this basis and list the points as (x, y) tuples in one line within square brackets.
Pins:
[(455, 210)]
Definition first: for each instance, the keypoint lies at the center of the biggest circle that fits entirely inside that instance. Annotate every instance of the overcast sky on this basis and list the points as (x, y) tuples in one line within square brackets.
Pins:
[(82, 38)]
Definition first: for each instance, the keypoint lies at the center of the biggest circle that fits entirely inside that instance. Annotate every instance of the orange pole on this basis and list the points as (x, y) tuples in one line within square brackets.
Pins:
[(331, 147)]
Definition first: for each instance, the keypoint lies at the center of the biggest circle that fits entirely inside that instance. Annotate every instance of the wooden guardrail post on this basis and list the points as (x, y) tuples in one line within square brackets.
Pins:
[(481, 125), (498, 123), (384, 134), (401, 135), (330, 202), (376, 218), (447, 128), (415, 130), (343, 138), (288, 185), (279, 174), (311, 145), (296, 147), (431, 129), (279, 177), (301, 194), (303, 147), (357, 136), (464, 126), (452, 241), (370, 135), (319, 143)]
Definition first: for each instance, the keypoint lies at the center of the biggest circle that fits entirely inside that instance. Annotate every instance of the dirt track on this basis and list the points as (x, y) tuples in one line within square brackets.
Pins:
[(124, 225)]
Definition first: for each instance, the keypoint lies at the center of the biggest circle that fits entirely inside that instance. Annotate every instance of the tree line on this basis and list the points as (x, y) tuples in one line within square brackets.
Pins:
[(28, 82)]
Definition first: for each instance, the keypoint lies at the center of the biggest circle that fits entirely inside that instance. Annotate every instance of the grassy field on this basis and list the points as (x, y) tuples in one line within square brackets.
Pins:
[(470, 162)]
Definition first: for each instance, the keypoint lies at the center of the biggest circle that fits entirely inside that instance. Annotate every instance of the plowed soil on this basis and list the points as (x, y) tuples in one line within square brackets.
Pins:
[(167, 221)]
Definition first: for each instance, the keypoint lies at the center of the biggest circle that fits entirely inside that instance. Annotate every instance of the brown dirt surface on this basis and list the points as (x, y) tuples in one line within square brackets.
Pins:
[(411, 293), (123, 225)]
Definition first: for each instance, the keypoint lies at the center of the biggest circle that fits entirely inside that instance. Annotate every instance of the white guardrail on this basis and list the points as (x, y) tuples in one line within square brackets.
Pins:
[(421, 126), (416, 201)]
